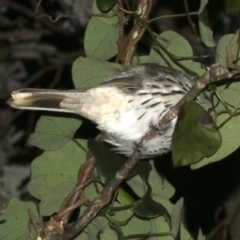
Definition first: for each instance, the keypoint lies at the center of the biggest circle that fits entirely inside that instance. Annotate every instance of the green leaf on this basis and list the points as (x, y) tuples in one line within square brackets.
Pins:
[(108, 234), (51, 133), (200, 235), (108, 162), (124, 197), (157, 226), (154, 193), (233, 49), (176, 217), (161, 188), (98, 228), (147, 208), (15, 222), (230, 140), (231, 97), (110, 18), (195, 135), (92, 191), (184, 234), (52, 202), (140, 59), (198, 68), (174, 44), (100, 40), (88, 72), (203, 3), (105, 5), (229, 131), (95, 227), (125, 223), (205, 31), (53, 168), (221, 50), (232, 6)]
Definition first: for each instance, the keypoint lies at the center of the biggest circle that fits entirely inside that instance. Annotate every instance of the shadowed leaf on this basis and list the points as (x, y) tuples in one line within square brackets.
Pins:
[(205, 31), (232, 6), (221, 51), (233, 49), (108, 162), (105, 5), (195, 135), (176, 217), (148, 208)]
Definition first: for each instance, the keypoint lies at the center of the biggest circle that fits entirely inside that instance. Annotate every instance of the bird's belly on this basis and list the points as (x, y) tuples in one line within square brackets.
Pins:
[(130, 130)]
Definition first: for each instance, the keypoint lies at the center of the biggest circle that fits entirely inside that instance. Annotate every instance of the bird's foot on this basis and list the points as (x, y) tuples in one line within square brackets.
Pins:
[(159, 128)]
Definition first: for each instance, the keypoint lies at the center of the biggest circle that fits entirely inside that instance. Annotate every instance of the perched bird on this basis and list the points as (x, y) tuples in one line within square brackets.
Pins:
[(124, 107)]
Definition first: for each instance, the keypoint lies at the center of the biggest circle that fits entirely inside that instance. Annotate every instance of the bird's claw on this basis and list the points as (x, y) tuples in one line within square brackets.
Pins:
[(159, 128)]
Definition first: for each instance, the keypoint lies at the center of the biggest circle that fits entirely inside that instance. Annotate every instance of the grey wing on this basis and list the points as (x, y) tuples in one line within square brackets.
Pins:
[(150, 75)]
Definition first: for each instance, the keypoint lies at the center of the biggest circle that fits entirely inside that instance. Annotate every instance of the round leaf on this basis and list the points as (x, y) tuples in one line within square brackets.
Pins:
[(136, 226), (195, 135), (230, 130), (52, 133), (108, 162), (15, 220), (202, 5), (100, 39), (110, 18), (175, 44), (147, 208), (176, 217), (206, 33), (198, 68), (105, 5), (231, 97), (53, 168), (156, 183), (221, 50), (232, 6), (88, 72), (233, 49), (52, 202), (230, 140)]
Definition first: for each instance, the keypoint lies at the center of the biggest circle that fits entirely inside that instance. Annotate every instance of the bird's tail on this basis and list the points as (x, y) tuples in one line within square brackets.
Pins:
[(48, 100)]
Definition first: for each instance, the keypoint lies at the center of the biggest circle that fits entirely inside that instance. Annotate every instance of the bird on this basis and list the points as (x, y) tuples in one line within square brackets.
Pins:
[(124, 107)]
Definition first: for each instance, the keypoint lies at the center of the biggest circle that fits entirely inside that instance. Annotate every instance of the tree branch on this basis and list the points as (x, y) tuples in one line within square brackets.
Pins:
[(215, 73)]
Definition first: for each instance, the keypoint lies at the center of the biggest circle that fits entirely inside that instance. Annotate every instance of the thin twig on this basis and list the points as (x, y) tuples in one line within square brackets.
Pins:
[(68, 16), (29, 13), (103, 198), (173, 16), (76, 198)]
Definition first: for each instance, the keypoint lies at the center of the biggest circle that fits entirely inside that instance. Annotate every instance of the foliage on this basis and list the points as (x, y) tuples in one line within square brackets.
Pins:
[(146, 212)]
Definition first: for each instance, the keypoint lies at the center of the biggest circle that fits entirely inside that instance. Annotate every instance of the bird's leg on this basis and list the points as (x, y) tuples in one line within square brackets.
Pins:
[(159, 128)]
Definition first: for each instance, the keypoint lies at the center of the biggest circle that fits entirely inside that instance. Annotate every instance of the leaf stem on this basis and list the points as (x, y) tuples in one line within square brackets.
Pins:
[(173, 16)]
